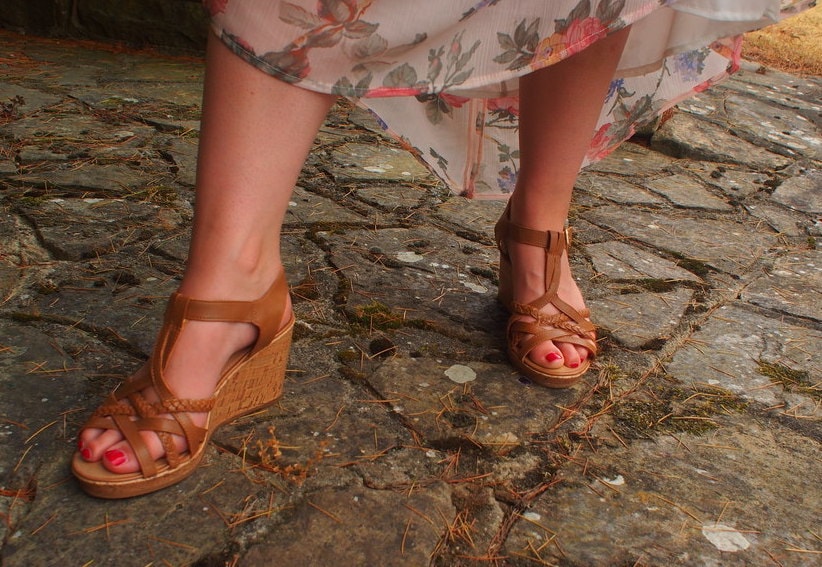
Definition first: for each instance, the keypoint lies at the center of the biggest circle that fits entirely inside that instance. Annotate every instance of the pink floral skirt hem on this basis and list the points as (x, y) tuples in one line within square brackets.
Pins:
[(443, 76)]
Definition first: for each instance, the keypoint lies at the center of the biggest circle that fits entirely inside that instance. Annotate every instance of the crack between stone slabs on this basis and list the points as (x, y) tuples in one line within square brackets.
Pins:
[(344, 288), (346, 199), (399, 418), (106, 335), (26, 495), (58, 255), (783, 316), (805, 427), (32, 225), (677, 340)]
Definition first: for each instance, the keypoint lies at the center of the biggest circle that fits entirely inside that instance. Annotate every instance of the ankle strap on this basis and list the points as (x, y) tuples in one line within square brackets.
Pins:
[(553, 242), (264, 313)]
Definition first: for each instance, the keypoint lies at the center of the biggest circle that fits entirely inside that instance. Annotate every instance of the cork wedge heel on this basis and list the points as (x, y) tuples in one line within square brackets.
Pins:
[(251, 380), (528, 327)]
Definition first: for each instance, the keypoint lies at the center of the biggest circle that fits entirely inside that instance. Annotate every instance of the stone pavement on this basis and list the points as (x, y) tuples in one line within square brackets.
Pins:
[(404, 437)]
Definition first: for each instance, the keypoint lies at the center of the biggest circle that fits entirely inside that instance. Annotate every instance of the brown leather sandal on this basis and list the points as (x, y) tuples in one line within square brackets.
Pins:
[(568, 326), (251, 380)]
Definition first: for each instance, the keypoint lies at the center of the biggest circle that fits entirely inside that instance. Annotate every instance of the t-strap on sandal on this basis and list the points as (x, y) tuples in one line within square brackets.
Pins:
[(568, 326), (251, 380)]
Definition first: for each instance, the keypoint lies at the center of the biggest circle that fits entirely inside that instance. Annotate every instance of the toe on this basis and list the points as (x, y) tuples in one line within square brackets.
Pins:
[(570, 355), (547, 355), (583, 353), (95, 442), (120, 459)]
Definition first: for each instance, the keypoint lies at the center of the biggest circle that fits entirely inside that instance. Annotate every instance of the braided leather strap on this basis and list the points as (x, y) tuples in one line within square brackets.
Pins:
[(127, 411)]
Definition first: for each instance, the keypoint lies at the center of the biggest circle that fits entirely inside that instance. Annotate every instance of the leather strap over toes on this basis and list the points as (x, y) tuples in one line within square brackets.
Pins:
[(127, 411), (570, 325)]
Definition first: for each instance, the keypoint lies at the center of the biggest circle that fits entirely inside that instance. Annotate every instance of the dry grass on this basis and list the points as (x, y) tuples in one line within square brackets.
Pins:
[(794, 45)]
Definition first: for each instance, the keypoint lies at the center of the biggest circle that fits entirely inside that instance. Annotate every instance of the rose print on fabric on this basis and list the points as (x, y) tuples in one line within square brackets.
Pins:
[(579, 30), (214, 7), (442, 76)]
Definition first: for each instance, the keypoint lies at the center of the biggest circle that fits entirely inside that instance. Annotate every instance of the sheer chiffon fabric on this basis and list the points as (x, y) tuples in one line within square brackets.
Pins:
[(442, 76)]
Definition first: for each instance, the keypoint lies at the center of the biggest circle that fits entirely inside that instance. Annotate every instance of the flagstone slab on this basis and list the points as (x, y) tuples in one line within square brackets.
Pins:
[(637, 319), (411, 525), (688, 136), (726, 245), (761, 359), (617, 190), (684, 500), (802, 192), (685, 192), (449, 402), (622, 261), (73, 229), (781, 131), (415, 277), (357, 161), (793, 286), (32, 99), (632, 160), (782, 220), (736, 182)]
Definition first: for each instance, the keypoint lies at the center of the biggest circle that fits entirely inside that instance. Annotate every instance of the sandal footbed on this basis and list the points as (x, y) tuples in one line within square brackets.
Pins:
[(561, 377), (98, 481)]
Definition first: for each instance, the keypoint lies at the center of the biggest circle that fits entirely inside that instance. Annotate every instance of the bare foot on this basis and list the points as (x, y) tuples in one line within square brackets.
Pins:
[(193, 370)]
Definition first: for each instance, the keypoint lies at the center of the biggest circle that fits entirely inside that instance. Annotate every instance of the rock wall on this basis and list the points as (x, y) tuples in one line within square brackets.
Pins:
[(170, 24)]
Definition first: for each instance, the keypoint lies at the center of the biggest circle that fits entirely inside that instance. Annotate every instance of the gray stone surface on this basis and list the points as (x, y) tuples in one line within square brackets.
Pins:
[(638, 319), (404, 437), (618, 190), (722, 495), (361, 162), (735, 183), (621, 261), (711, 142), (802, 193), (793, 286), (687, 193), (724, 244), (785, 133), (762, 359), (781, 220)]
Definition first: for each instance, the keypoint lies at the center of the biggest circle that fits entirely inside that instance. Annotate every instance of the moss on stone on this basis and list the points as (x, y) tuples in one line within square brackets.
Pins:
[(797, 381), (670, 409), (157, 194), (349, 356), (657, 285), (352, 374), (697, 267), (378, 316)]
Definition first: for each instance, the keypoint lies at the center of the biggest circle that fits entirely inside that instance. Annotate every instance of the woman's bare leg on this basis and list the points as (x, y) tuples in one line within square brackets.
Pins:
[(256, 132), (559, 108)]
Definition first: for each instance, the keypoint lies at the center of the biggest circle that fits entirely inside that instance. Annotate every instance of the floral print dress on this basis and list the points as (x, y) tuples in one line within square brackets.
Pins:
[(442, 75)]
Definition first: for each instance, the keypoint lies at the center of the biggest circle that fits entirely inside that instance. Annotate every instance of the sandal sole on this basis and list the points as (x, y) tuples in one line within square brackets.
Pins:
[(253, 385)]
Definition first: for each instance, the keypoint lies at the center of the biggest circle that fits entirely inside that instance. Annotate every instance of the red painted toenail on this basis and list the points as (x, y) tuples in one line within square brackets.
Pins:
[(574, 365), (115, 457), (553, 357), (86, 453)]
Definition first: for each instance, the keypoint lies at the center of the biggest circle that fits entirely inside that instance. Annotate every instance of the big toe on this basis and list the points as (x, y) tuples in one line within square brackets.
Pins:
[(120, 457), (547, 355)]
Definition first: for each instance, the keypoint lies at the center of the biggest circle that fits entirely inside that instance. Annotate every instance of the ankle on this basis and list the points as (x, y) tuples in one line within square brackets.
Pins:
[(230, 281), (538, 214)]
